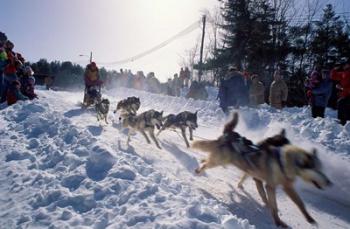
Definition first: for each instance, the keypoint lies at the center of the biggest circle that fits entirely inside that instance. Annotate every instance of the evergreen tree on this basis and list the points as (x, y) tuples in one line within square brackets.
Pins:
[(331, 41), (254, 39)]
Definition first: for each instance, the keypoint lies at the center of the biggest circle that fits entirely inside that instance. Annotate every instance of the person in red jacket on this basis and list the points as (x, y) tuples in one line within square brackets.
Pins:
[(342, 77), (92, 82)]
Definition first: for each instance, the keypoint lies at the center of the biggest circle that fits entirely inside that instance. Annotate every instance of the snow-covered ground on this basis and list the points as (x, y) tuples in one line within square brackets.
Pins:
[(60, 168)]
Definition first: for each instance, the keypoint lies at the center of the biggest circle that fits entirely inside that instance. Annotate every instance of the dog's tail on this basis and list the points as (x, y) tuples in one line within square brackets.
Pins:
[(205, 145), (230, 126)]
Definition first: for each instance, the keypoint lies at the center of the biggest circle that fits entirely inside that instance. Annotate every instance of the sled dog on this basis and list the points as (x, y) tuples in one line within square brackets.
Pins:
[(271, 166), (128, 106), (102, 108), (144, 122), (277, 140), (182, 121)]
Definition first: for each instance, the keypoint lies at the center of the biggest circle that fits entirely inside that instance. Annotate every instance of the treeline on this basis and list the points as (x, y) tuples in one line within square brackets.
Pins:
[(260, 36), (66, 74)]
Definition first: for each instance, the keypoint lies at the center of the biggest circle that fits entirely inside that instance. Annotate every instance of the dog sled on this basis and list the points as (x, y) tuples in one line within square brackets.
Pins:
[(92, 94)]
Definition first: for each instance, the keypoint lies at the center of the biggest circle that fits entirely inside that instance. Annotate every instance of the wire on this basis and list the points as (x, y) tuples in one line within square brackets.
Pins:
[(184, 32)]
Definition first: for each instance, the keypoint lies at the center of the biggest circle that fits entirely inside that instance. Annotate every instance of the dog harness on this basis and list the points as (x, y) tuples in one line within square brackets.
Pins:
[(242, 145)]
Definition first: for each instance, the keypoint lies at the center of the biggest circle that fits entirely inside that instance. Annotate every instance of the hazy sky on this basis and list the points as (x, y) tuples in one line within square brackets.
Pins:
[(112, 29)]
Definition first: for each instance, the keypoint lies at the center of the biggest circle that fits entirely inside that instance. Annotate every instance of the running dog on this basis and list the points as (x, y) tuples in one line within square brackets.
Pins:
[(144, 122), (182, 121), (128, 106), (277, 140), (102, 108), (270, 165)]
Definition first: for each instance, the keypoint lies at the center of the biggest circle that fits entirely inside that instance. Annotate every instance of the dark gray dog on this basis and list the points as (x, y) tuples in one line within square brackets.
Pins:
[(102, 108), (128, 106), (182, 121)]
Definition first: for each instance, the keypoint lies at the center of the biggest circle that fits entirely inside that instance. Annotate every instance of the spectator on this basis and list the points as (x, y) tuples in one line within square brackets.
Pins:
[(27, 83), (187, 77), (48, 80), (278, 92), (256, 92), (197, 91), (153, 84), (182, 77), (139, 80), (3, 63), (342, 77), (10, 69), (176, 85), (14, 93), (319, 89), (232, 90), (169, 87)]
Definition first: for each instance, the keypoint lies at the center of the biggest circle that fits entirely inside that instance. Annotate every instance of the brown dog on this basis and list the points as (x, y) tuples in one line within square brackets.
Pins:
[(267, 165)]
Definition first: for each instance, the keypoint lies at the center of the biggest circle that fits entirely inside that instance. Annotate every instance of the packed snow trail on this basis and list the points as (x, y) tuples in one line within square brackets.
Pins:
[(60, 168)]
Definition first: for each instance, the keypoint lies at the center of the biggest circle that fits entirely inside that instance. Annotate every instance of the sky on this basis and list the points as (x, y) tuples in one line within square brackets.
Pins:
[(112, 29)]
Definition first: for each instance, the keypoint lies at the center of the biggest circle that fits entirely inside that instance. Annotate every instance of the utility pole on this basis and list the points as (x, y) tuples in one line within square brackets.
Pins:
[(200, 72), (90, 57)]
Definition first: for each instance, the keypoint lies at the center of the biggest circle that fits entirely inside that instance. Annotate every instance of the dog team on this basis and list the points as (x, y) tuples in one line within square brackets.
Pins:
[(271, 163)]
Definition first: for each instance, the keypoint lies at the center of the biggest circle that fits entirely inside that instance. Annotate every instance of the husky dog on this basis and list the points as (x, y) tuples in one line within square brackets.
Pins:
[(270, 165), (128, 106), (182, 121), (277, 140), (102, 108), (144, 122)]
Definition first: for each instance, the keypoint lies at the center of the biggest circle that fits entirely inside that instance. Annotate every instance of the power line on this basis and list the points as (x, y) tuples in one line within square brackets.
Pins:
[(184, 32)]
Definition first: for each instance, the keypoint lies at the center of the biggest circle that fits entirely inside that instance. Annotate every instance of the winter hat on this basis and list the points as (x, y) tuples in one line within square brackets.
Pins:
[(9, 44), (28, 70), (31, 80)]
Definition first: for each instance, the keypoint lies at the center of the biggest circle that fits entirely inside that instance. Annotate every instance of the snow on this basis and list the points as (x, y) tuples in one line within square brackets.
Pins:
[(60, 168)]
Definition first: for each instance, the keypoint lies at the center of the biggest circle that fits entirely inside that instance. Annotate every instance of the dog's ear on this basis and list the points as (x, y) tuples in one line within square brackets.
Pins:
[(195, 113), (283, 132), (161, 113), (314, 152)]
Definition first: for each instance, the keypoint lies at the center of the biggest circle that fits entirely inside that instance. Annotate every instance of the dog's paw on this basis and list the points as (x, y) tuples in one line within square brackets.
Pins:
[(282, 224), (240, 186), (311, 221), (197, 171)]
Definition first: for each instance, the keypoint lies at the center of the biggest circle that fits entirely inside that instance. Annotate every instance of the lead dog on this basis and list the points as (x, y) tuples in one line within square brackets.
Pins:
[(269, 166), (102, 108)]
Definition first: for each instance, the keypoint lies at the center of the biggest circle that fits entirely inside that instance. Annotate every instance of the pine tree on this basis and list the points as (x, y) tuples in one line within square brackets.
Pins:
[(237, 27), (331, 41), (254, 39)]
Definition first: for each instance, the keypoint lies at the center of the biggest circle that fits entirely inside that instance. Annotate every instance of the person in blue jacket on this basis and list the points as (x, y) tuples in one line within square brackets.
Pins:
[(233, 91), (320, 94)]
